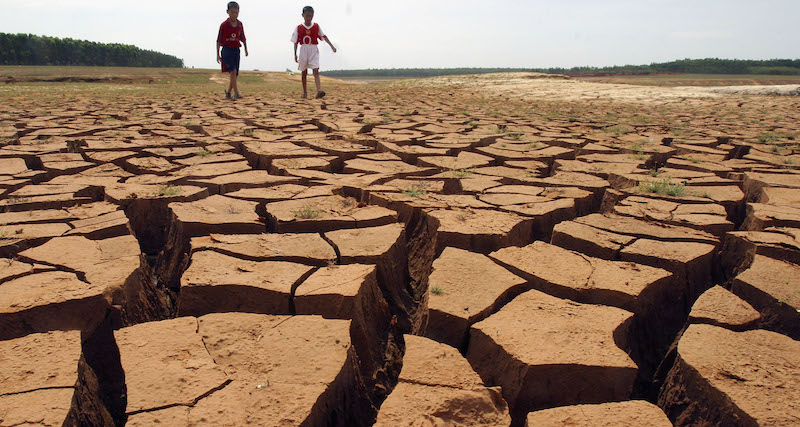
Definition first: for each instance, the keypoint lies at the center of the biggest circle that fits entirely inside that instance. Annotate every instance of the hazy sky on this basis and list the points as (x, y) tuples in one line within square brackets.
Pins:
[(434, 33)]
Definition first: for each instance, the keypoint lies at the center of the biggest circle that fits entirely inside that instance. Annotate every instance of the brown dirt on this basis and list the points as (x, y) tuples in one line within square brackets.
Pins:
[(771, 287), (574, 241), (638, 412), (437, 386), (525, 349), (466, 288), (732, 378)]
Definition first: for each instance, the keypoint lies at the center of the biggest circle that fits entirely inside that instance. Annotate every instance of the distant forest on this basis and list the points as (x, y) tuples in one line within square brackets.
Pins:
[(28, 49), (784, 67)]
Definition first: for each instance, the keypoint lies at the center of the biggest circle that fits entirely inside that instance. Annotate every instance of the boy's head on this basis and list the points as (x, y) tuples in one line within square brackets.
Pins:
[(233, 9), (308, 13)]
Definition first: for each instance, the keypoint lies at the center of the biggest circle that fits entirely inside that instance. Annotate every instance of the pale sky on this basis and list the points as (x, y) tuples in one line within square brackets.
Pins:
[(433, 33)]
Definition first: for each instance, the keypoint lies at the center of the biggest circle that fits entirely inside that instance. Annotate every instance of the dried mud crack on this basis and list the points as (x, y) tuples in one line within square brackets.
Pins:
[(402, 254)]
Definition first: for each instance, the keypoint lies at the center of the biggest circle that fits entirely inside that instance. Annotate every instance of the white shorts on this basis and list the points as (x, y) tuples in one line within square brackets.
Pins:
[(308, 57)]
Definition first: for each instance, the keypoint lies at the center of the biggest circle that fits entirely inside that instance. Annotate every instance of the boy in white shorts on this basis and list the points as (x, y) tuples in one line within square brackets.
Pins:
[(307, 35)]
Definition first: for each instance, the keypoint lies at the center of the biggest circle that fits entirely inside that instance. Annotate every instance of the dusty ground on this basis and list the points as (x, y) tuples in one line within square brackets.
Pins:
[(482, 250)]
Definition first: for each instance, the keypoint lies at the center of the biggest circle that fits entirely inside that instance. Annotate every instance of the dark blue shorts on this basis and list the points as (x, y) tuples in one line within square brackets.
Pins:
[(230, 59)]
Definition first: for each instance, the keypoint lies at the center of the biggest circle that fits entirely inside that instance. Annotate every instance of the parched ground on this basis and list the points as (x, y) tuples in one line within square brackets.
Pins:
[(508, 249)]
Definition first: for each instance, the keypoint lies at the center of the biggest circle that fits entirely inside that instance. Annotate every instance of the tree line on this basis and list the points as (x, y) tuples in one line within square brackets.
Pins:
[(29, 49), (683, 66)]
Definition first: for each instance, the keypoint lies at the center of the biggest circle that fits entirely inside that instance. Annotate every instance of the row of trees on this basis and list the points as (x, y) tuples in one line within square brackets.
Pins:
[(687, 66), (29, 49)]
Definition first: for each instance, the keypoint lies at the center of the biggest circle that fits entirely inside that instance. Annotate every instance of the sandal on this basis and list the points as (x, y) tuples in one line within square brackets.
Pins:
[(320, 94), (227, 95)]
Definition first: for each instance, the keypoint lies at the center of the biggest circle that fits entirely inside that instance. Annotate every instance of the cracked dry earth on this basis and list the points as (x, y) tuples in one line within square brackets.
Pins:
[(397, 255)]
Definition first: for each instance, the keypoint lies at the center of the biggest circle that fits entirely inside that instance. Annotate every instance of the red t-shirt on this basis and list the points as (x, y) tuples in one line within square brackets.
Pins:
[(308, 35), (231, 36)]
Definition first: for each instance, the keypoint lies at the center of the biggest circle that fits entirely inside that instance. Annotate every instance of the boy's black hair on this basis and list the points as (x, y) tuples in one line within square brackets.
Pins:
[(233, 5), (308, 9)]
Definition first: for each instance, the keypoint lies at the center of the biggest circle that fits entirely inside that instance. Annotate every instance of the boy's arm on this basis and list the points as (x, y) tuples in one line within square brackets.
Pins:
[(219, 44), (329, 42), (244, 40), (295, 52)]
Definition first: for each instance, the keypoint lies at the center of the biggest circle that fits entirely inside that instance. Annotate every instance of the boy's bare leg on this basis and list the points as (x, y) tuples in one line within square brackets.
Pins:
[(303, 78), (317, 80), (235, 82), (232, 83)]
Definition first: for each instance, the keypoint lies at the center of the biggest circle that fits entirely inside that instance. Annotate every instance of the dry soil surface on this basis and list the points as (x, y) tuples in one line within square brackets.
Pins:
[(481, 250)]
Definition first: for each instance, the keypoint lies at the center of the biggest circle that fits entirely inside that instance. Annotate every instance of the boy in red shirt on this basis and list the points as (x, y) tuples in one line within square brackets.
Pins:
[(307, 35), (230, 37)]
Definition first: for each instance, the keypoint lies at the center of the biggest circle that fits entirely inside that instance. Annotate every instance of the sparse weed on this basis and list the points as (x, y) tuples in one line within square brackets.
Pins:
[(515, 136), (169, 191), (654, 172), (498, 129), (460, 173), (19, 199), (307, 212), (767, 137), (248, 132), (641, 119), (437, 290), (533, 145), (203, 153), (639, 146), (232, 210), (349, 203), (704, 194), (663, 187), (677, 131), (619, 130), (552, 192), (292, 164), (415, 191)]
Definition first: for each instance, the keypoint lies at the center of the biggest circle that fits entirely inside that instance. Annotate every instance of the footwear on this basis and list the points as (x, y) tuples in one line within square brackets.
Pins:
[(320, 94), (304, 95), (237, 96), (227, 95)]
